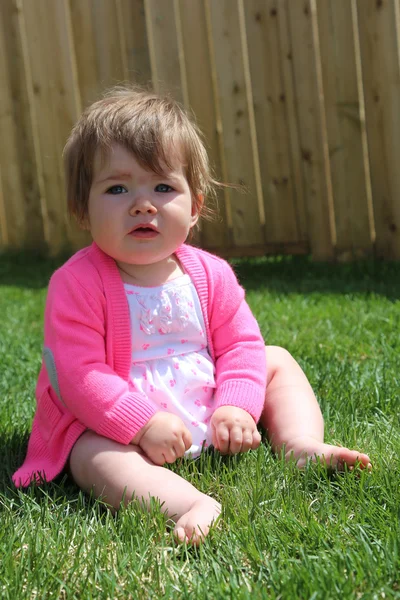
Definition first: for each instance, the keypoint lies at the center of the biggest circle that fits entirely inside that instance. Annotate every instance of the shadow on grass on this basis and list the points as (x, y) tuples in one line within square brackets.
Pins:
[(283, 274), (298, 274), (28, 270), (14, 448)]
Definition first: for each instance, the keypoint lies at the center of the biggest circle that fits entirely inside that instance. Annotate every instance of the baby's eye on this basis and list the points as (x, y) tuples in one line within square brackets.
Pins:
[(163, 188), (117, 189)]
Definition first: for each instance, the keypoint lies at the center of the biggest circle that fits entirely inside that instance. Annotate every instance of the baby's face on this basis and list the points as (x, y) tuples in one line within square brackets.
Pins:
[(136, 216)]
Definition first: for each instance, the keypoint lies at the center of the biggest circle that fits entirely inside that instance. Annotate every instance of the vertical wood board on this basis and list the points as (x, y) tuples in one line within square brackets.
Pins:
[(295, 155), (201, 99), (269, 95), (345, 124), (379, 37), (85, 51), (136, 49), (163, 39), (235, 113), (4, 242), (21, 188), (56, 103), (109, 43), (312, 127)]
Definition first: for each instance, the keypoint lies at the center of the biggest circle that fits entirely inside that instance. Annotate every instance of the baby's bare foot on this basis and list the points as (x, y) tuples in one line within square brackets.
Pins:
[(336, 457), (194, 525)]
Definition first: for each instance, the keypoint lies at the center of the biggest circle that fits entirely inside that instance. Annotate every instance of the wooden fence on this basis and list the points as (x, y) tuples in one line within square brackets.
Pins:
[(299, 100)]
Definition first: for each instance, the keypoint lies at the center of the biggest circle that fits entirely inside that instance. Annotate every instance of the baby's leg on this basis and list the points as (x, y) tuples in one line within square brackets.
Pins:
[(113, 472), (293, 419)]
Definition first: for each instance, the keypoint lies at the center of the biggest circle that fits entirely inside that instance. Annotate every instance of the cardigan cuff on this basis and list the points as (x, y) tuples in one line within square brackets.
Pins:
[(123, 424), (241, 394)]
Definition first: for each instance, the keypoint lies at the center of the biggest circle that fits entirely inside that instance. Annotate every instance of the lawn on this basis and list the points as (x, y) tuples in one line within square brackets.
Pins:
[(285, 533)]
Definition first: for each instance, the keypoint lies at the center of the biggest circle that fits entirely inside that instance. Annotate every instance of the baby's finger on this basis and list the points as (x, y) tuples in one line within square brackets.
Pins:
[(256, 439), (180, 447), (156, 456), (235, 440), (187, 438), (248, 441), (170, 455), (222, 439)]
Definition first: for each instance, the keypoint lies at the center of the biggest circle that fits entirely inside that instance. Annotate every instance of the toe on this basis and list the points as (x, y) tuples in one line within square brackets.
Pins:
[(180, 534), (351, 458)]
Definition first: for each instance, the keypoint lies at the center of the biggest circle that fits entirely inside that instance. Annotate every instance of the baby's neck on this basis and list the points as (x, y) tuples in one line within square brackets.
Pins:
[(151, 275)]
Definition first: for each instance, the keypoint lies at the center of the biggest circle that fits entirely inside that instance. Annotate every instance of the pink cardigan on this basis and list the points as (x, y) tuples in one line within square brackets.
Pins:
[(84, 379)]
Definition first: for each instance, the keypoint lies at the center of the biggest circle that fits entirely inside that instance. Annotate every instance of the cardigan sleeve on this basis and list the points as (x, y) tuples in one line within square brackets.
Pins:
[(87, 386), (241, 372)]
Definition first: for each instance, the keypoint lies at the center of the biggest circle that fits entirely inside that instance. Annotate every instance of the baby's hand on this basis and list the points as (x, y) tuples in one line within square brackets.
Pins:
[(234, 430), (164, 438)]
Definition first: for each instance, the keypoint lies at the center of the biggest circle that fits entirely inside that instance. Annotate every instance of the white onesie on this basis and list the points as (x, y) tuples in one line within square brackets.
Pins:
[(170, 361)]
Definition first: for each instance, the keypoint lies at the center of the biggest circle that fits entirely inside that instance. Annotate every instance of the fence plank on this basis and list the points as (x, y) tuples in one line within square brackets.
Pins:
[(109, 43), (271, 117), (40, 35), (165, 53), (312, 127), (85, 51), (11, 180), (201, 99), (3, 215), (56, 97), (298, 189), (346, 128), (20, 184), (379, 37), (136, 50), (69, 99), (236, 112)]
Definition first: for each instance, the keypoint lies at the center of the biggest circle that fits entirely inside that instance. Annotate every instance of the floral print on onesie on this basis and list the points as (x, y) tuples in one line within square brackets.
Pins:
[(170, 361)]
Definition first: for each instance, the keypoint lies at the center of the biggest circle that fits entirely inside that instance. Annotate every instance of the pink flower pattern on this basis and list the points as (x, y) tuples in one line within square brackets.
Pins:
[(167, 329)]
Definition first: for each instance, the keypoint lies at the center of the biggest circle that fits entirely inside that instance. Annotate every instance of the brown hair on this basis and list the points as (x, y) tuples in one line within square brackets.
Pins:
[(144, 123)]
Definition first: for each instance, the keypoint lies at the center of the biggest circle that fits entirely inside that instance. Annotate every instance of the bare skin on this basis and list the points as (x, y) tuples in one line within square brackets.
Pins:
[(291, 418), (115, 472)]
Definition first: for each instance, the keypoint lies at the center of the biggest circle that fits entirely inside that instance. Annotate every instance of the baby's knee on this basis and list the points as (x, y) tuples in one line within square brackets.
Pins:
[(93, 457), (277, 356), (279, 360)]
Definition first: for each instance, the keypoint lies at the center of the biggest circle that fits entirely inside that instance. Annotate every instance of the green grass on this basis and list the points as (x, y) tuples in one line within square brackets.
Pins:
[(285, 533)]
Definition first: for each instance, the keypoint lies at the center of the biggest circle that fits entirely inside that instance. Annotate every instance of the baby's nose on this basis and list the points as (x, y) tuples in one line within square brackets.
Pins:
[(143, 205)]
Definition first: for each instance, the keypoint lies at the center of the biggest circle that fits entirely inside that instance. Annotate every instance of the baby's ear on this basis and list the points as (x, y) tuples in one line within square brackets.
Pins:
[(197, 205)]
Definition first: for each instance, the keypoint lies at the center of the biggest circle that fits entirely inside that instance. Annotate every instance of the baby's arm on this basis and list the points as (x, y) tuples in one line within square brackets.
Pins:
[(292, 417), (240, 365), (95, 392)]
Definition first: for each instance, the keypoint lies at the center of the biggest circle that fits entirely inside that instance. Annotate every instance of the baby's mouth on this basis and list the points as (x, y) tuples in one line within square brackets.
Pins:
[(144, 232)]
